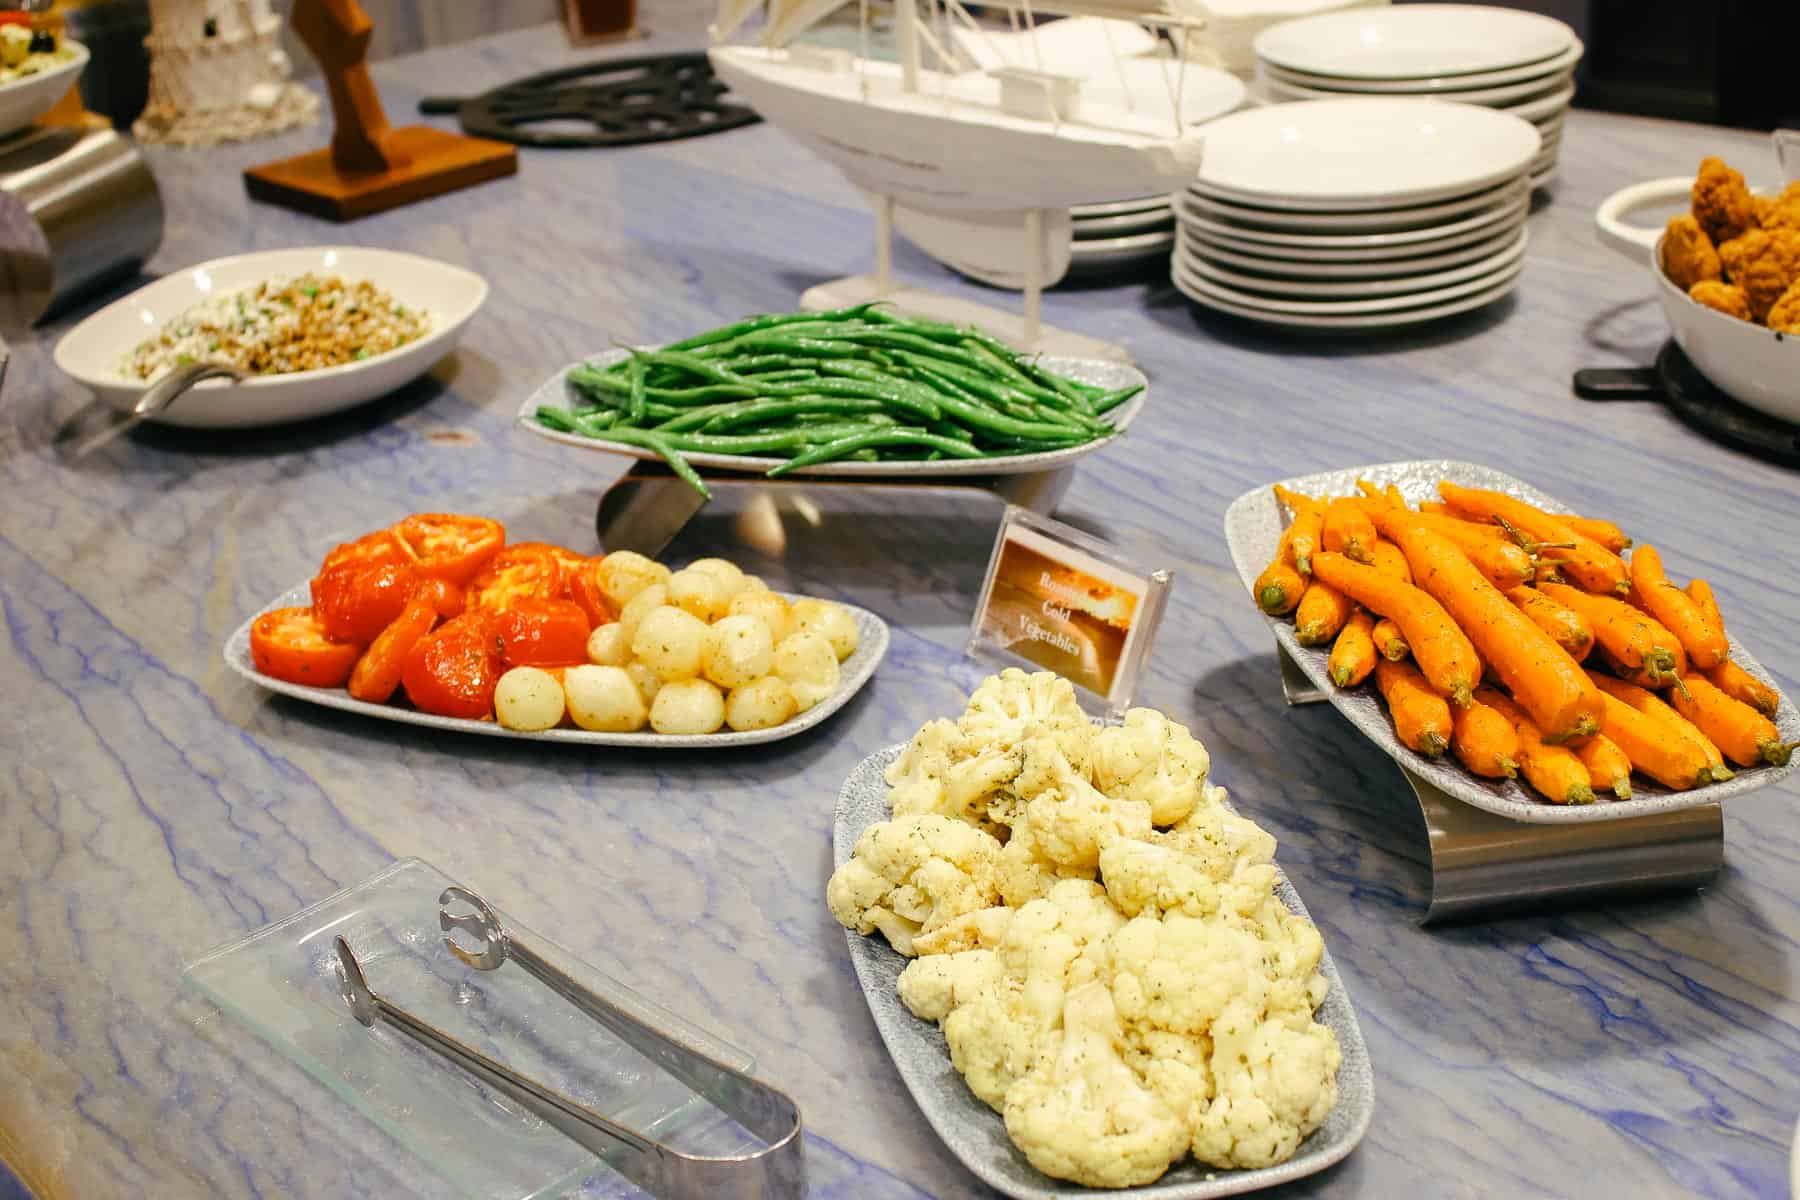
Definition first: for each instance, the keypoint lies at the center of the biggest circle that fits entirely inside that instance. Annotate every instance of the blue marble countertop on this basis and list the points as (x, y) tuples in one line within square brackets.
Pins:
[(153, 805)]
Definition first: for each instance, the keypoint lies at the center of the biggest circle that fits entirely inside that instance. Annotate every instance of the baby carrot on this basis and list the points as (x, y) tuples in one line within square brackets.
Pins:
[(1392, 492), (1607, 765), (1484, 740), (1278, 588), (1636, 639), (1745, 735), (1446, 657), (1437, 507), (1570, 629), (1604, 532), (1586, 561), (1387, 558), (1421, 718), (1347, 529), (1353, 654), (1309, 519), (1674, 726), (1388, 641), (1653, 748), (1676, 610), (1322, 612), (1505, 563), (1701, 593), (1547, 683), (1554, 771), (1742, 686)]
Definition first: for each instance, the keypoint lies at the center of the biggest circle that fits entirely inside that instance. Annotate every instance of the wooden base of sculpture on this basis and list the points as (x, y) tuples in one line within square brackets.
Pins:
[(433, 162)]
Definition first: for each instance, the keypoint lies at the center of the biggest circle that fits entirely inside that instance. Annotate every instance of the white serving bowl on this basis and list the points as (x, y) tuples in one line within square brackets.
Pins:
[(1751, 364), (93, 352), (26, 99)]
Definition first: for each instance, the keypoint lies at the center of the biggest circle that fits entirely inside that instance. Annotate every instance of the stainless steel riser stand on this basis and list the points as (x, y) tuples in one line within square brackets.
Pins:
[(648, 507), (1483, 864)]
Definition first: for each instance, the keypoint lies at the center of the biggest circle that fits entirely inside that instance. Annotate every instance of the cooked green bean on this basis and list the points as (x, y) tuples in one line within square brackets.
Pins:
[(871, 438)]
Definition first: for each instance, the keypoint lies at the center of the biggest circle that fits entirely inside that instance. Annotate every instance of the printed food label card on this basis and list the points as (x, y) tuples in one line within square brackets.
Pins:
[(1060, 600)]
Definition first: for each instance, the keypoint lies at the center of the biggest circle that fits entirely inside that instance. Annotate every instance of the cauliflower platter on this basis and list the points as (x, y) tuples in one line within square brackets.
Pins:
[(1127, 990)]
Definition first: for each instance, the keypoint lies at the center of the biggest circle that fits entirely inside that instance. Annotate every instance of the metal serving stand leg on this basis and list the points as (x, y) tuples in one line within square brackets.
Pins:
[(648, 507), (1483, 864)]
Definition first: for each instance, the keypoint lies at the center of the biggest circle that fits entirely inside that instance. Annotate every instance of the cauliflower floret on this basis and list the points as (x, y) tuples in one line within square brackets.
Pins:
[(1071, 818), (1176, 1066), (1179, 973), (993, 1043), (930, 753), (1275, 1084), (1153, 759), (934, 986), (1025, 873), (1082, 1114), (1292, 947), (983, 929), (912, 875), (1012, 706)]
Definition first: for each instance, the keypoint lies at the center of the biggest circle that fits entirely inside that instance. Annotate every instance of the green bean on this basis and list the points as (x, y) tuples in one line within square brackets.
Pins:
[(634, 404), (871, 438), (591, 380), (899, 393), (785, 376), (1112, 400), (692, 363), (597, 423), (753, 411), (765, 321), (555, 418), (987, 389), (670, 454)]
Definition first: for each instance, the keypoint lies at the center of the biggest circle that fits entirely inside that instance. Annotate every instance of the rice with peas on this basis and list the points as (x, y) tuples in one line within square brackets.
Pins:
[(282, 326)]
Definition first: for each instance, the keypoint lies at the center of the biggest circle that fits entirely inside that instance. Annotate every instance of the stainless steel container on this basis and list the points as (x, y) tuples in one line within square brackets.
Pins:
[(78, 209)]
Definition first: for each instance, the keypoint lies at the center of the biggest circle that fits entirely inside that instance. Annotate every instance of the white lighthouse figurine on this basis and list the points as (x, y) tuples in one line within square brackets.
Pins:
[(218, 74)]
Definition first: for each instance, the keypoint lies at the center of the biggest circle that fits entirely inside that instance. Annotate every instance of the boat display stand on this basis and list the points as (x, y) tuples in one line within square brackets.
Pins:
[(647, 508), (1484, 865)]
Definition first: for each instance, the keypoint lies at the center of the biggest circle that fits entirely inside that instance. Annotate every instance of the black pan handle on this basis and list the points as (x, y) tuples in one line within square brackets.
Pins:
[(1618, 383), (440, 106)]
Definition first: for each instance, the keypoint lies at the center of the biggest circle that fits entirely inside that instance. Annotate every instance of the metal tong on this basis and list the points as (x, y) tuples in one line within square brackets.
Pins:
[(775, 1172)]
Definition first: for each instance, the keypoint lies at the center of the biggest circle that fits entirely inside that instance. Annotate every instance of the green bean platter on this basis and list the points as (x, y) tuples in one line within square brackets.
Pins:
[(857, 391)]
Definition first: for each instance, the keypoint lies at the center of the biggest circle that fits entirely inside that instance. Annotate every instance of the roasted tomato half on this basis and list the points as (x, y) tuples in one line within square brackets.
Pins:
[(382, 546), (585, 590), (445, 597), (526, 569), (291, 644), (453, 670), (356, 601), (377, 674), (450, 546), (542, 633)]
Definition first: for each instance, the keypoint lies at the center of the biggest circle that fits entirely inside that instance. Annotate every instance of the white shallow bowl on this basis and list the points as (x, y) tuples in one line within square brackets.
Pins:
[(1276, 306), (1276, 287), (1361, 324), (1363, 152), (1495, 97), (1301, 267), (26, 99), (976, 1134), (1401, 241), (1367, 221), (1435, 85), (557, 392), (1414, 41), (853, 672), (93, 352), (1253, 523)]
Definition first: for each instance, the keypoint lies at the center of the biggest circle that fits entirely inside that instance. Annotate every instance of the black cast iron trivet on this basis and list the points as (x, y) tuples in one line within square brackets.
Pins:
[(1678, 383)]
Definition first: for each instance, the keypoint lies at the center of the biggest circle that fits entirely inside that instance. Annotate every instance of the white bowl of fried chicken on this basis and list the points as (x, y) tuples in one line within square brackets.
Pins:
[(1728, 274)]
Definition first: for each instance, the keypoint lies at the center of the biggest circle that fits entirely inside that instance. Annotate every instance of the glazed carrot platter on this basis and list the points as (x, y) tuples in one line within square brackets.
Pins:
[(1541, 664)]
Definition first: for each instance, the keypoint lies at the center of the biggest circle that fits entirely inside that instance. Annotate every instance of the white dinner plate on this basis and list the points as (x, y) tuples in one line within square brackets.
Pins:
[(1434, 85), (94, 351), (1108, 254), (853, 672), (1113, 208), (29, 97), (1124, 224), (1370, 323), (1494, 97), (1363, 152), (1348, 308), (1369, 221), (1413, 41), (1278, 288), (1538, 111), (1303, 266), (557, 392), (1430, 237)]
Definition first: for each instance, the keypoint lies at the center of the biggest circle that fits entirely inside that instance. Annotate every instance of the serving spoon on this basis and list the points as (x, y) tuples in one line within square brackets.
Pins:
[(82, 434)]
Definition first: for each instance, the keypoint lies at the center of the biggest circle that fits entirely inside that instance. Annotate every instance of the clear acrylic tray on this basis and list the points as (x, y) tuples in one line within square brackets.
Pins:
[(281, 982)]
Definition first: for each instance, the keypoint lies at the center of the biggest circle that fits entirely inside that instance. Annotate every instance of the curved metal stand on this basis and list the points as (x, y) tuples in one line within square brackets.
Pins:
[(1485, 865)]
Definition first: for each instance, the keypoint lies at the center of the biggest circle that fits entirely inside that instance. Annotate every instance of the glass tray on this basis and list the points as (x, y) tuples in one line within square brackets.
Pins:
[(280, 981)]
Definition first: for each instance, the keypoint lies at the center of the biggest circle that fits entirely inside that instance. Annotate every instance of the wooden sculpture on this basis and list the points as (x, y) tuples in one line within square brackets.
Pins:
[(370, 166)]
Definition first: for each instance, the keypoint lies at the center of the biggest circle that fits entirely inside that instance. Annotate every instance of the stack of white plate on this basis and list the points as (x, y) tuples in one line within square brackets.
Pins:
[(1517, 62), (1359, 214), (1121, 235)]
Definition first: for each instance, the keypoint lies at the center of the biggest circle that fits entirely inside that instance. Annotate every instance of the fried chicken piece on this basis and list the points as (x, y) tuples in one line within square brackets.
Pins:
[(1782, 212), (1722, 203), (1784, 314), (1727, 298), (1765, 263), (1688, 254)]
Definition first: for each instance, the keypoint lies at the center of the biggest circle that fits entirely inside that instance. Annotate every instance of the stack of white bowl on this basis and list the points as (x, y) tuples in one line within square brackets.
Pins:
[(1120, 235), (1518, 62), (1358, 214)]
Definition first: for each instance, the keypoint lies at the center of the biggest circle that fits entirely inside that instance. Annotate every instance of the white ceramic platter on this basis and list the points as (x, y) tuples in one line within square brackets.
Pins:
[(1534, 89), (1368, 324), (1410, 285), (1414, 41), (872, 645), (1538, 111), (1349, 308), (559, 393), (93, 352), (1300, 266), (1375, 221), (1415, 241), (29, 97), (976, 1134), (1442, 85), (1363, 152), (1252, 526)]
